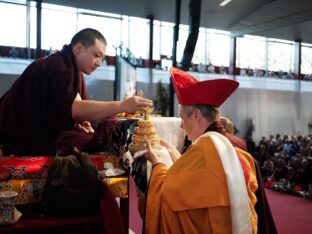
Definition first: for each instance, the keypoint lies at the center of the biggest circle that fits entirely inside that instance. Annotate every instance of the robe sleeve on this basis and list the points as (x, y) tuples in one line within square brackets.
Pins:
[(62, 97), (252, 186), (64, 84), (153, 204)]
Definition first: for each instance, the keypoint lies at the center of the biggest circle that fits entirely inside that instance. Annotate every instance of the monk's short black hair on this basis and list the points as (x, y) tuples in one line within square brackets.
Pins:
[(87, 37)]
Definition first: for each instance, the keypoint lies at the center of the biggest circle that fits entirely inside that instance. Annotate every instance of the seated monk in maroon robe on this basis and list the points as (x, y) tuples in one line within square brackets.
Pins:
[(46, 107)]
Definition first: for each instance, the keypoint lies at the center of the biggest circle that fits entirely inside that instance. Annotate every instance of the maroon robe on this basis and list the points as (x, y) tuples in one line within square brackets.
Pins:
[(36, 110), (236, 141)]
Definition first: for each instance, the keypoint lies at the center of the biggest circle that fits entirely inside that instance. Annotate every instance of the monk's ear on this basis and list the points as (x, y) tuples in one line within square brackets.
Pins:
[(197, 113), (77, 48)]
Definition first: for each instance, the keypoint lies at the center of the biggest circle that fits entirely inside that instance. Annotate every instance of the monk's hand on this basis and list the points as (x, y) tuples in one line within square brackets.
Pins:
[(173, 152), (135, 103), (86, 127), (150, 155)]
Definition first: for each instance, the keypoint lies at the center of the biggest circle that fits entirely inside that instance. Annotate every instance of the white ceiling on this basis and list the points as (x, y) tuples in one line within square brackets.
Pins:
[(283, 19)]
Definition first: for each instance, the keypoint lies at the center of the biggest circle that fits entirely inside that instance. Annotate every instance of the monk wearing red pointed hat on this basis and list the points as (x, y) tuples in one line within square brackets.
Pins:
[(212, 187)]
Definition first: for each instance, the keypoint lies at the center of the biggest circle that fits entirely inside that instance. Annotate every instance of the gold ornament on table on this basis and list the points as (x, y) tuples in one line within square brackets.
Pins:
[(139, 93), (145, 131), (136, 114)]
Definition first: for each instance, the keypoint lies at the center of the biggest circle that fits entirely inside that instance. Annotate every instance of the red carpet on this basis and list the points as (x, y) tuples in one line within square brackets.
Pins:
[(292, 215)]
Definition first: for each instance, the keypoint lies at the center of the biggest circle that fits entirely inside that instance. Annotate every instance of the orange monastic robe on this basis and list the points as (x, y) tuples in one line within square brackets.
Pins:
[(192, 196)]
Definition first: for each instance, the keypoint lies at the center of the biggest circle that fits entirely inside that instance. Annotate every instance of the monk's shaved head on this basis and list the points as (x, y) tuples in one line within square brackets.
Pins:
[(87, 37)]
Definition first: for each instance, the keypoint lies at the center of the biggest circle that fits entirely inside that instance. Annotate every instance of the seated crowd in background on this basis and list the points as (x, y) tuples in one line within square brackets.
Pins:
[(263, 73), (14, 52), (286, 159), (307, 77)]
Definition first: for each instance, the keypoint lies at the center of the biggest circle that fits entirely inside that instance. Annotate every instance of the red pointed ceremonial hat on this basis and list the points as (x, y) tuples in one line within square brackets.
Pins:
[(190, 91)]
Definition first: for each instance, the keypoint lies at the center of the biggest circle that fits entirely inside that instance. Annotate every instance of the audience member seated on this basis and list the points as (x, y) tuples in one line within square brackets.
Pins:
[(289, 76), (201, 67), (268, 168), (250, 72), (280, 171), (222, 70), (294, 146), (306, 173), (291, 159), (48, 52), (307, 77), (267, 74), (279, 146), (211, 68), (13, 53), (290, 174), (243, 72), (262, 154), (260, 73), (272, 147), (230, 128), (305, 148), (227, 124)]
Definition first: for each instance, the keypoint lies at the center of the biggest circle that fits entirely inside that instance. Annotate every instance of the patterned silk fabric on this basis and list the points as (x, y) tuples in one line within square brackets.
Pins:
[(26, 175)]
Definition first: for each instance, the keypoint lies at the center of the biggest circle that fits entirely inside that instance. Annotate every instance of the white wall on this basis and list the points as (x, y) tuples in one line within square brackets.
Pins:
[(271, 105)]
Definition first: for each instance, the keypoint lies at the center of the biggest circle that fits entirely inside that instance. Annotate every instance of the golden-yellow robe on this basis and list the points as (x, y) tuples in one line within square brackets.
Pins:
[(192, 196)]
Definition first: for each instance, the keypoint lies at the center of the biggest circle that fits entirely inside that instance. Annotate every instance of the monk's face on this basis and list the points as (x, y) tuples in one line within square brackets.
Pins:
[(89, 58), (188, 122), (193, 122)]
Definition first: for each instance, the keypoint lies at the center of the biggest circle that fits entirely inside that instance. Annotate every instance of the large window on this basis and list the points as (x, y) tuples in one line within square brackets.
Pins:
[(280, 55), (33, 25), (219, 47), (212, 45), (200, 54), (139, 37), (60, 23), (108, 24), (251, 52), (13, 23), (58, 26), (183, 35), (124, 30), (156, 40), (306, 59), (166, 38), (267, 54)]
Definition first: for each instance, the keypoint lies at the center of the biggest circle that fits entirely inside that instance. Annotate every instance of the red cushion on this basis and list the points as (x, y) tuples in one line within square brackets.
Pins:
[(34, 167), (24, 167)]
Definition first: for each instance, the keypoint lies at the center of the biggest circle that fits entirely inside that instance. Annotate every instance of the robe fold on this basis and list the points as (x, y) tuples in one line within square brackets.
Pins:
[(266, 224), (37, 107), (192, 196)]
